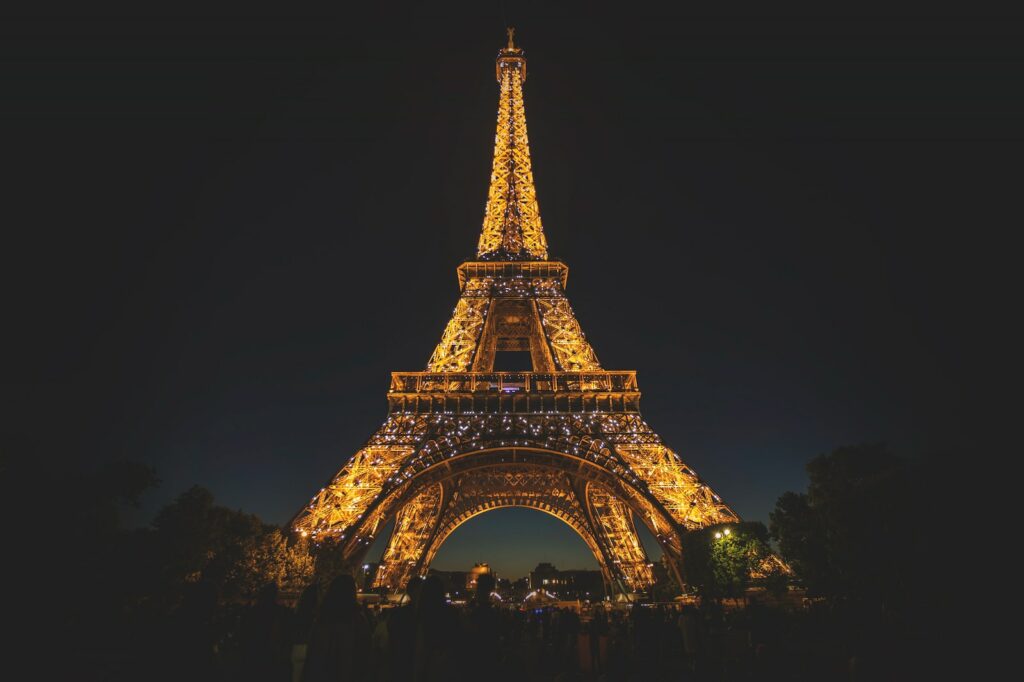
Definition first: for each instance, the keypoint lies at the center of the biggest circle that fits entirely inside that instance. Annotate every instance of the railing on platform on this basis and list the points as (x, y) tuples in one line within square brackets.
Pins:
[(512, 382)]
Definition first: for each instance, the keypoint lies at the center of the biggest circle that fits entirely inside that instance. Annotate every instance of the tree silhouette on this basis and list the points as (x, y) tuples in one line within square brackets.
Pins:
[(850, 536)]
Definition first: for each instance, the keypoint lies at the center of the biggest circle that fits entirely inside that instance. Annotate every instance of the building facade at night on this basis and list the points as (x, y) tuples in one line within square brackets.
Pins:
[(572, 584), (462, 584), (513, 409)]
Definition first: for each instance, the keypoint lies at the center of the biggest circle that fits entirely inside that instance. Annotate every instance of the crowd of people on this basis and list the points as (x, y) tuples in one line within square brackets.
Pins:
[(332, 637)]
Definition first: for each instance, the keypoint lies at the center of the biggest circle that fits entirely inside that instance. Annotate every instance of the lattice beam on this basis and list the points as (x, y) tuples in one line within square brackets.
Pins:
[(344, 501), (572, 351), (689, 500), (614, 521), (461, 335), (414, 527)]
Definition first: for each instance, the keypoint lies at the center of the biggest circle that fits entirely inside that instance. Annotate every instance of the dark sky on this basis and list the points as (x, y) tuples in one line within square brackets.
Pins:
[(225, 229)]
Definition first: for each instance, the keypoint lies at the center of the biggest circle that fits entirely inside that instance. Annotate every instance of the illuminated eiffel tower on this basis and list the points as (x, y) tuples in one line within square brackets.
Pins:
[(565, 437)]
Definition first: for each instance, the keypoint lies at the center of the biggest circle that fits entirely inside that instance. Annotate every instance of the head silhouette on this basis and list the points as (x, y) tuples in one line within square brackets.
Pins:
[(431, 596), (267, 597), (340, 601), (484, 587), (412, 588), (305, 610)]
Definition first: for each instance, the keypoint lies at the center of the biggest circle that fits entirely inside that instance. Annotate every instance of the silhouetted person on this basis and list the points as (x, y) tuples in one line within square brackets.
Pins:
[(402, 634), (645, 640), (571, 628), (302, 628), (379, 644), (189, 643), (437, 634), (598, 629), (689, 630), (340, 641), (264, 642), (483, 633)]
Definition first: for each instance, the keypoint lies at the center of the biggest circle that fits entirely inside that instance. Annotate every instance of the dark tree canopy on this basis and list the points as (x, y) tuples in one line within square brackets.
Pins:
[(851, 535)]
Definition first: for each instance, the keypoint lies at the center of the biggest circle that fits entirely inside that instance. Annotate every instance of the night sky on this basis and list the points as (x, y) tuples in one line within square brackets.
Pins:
[(226, 229)]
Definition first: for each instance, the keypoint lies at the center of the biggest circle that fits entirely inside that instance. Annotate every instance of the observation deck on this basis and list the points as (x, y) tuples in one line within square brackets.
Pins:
[(547, 269), (513, 392)]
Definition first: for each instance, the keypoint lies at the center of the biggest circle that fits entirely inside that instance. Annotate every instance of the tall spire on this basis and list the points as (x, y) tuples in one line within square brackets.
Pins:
[(512, 229)]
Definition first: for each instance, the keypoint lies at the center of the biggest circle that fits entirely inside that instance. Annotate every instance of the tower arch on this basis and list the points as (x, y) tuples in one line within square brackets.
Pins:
[(585, 487)]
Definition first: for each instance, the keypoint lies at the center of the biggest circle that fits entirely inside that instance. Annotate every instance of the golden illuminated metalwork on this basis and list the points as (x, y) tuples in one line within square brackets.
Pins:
[(458, 343), (413, 528), (690, 502), (512, 229), (614, 519), (571, 348), (565, 438)]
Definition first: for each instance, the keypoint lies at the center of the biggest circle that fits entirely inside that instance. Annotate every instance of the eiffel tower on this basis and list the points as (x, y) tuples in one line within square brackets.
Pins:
[(565, 437)]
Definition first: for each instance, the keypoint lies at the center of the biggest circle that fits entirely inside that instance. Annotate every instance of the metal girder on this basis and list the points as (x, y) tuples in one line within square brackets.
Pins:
[(689, 500), (546, 324), (572, 352), (344, 500), (414, 526), (614, 521), (462, 333)]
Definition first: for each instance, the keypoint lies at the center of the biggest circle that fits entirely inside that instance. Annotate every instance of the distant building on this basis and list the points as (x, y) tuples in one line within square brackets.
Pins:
[(513, 590), (542, 575), (520, 588), (571, 584), (461, 585), (454, 583)]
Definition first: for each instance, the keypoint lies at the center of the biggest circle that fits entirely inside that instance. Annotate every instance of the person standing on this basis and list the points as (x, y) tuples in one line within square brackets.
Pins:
[(302, 627), (340, 641), (437, 632), (401, 644), (483, 634), (264, 647)]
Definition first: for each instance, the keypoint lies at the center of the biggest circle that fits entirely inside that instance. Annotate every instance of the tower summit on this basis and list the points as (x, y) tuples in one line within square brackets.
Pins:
[(512, 229), (557, 433)]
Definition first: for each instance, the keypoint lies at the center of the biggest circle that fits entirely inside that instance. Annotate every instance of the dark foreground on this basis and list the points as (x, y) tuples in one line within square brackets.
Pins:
[(332, 637)]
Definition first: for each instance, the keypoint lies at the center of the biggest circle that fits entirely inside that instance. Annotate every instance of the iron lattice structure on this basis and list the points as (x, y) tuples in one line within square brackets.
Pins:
[(461, 439)]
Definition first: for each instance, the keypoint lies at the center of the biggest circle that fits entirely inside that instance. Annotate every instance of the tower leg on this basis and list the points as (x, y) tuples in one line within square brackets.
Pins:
[(630, 567), (415, 525)]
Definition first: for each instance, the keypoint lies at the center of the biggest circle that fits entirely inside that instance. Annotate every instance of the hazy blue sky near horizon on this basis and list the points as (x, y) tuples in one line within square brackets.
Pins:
[(237, 225)]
